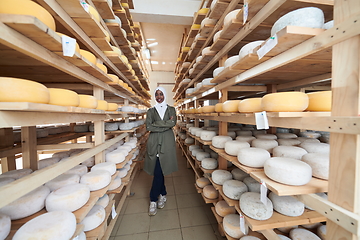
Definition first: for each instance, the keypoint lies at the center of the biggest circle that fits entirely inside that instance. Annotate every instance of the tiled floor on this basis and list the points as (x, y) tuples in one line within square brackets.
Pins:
[(185, 216)]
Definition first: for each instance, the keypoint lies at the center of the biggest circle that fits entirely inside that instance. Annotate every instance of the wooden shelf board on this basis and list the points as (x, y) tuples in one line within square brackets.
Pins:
[(91, 27), (199, 17), (232, 29), (102, 44), (207, 200), (206, 30), (118, 62), (219, 44), (104, 9), (229, 201), (218, 9), (74, 8), (192, 34), (219, 219)]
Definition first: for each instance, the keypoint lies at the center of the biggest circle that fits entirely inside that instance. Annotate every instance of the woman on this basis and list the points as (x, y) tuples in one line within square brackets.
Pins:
[(160, 157)]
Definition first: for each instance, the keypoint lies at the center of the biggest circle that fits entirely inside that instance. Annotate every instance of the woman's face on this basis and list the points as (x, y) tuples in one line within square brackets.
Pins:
[(159, 96)]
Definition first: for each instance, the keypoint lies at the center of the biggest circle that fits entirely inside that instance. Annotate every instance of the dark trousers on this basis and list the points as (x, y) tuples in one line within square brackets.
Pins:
[(158, 184)]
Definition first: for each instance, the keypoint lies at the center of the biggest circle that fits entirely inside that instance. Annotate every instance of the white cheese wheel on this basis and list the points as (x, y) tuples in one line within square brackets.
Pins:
[(63, 97), (79, 170), (208, 21), (239, 174), (289, 152), (310, 17), (287, 229), (56, 225), (209, 163), (62, 181), (244, 133), (62, 154), (287, 205), (5, 226), (286, 135), (192, 147), (103, 201), (81, 236), (310, 134), (232, 147), (321, 232), (266, 136), (219, 141), (282, 237), (198, 59), (198, 132), (94, 218), (26, 205), (249, 238), (302, 234), (234, 188), (316, 147), (252, 207), (210, 192), (115, 183), (285, 102), (68, 198), (126, 126), (81, 128), (96, 180), (311, 225), (117, 156), (248, 48), (207, 81), (252, 184), (288, 142), (231, 61), (193, 130), (248, 139), (43, 163), (217, 71), (319, 163), (253, 157), (201, 155), (306, 139), (267, 144), (288, 171), (195, 151), (223, 209), (108, 166), (328, 24), (230, 16), (202, 182), (207, 51), (207, 135), (189, 91), (232, 134), (111, 126), (122, 172), (6, 180), (89, 162), (231, 223), (220, 176), (217, 35), (250, 105)]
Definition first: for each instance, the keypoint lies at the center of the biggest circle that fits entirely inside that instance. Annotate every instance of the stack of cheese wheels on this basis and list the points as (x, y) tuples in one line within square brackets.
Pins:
[(219, 141), (94, 218), (52, 225), (87, 101), (223, 209), (63, 97), (230, 106), (232, 147), (234, 188), (210, 192), (267, 144), (202, 182), (300, 233), (96, 180), (250, 105), (231, 223), (239, 174), (289, 152), (252, 207), (319, 163), (209, 163), (319, 101), (285, 102), (253, 157), (88, 56), (21, 90), (62, 181), (252, 184), (220, 176), (287, 205), (102, 105), (5, 223)]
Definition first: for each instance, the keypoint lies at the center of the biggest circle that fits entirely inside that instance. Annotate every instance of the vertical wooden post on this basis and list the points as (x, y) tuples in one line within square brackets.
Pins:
[(7, 140), (271, 88), (72, 126), (223, 127), (99, 128), (344, 177), (196, 120), (28, 143)]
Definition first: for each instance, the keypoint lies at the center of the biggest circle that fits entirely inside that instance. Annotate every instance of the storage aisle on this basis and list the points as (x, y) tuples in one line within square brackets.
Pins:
[(184, 217)]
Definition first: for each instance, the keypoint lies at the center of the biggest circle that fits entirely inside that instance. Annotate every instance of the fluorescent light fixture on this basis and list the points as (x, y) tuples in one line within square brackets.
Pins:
[(146, 52), (154, 62), (163, 63), (153, 44)]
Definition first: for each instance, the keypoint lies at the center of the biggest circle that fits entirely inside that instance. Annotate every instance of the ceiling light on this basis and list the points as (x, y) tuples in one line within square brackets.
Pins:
[(152, 44), (146, 52)]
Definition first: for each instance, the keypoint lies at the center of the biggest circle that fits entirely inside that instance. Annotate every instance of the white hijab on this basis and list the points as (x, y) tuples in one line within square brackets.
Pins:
[(161, 107)]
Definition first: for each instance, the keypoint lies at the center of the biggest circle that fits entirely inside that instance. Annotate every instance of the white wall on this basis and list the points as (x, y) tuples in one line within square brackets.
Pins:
[(162, 77)]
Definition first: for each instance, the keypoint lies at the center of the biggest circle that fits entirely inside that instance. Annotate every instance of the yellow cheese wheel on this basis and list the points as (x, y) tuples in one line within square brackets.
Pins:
[(208, 109), (87, 101), (250, 105), (203, 11), (185, 49), (114, 78), (319, 101), (116, 50), (219, 107), (93, 12), (88, 56), (107, 36), (27, 7), (231, 106), (195, 26), (21, 90), (121, 82), (102, 105), (102, 67), (77, 48), (125, 5), (125, 85), (285, 102), (63, 97), (112, 106), (125, 59)]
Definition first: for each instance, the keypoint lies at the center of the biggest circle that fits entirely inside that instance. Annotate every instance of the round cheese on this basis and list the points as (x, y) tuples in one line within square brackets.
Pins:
[(220, 176), (6, 180), (203, 11), (26, 205), (310, 134), (115, 183), (209, 163), (56, 225), (102, 67), (5, 226), (201, 155), (195, 151), (62, 181), (231, 61), (300, 233), (286, 135), (319, 101), (217, 35), (252, 184), (192, 147), (62, 154), (102, 105), (248, 48), (219, 107), (266, 136), (252, 207), (202, 182), (247, 139), (208, 21), (223, 209), (217, 71), (43, 163), (287, 205), (244, 133), (116, 156), (239, 174), (230, 106), (111, 126), (234, 188), (288, 142), (89, 162), (94, 13), (319, 163), (230, 16), (267, 144), (250, 105), (288, 171), (88, 56), (87, 101), (81, 236), (68, 198), (321, 232), (328, 24), (232, 147), (207, 51), (189, 91), (316, 147), (210, 192), (103, 201), (231, 224), (253, 157), (311, 225), (20, 90), (94, 218), (79, 170), (306, 139), (122, 172), (96, 180), (207, 81), (113, 106), (63, 97), (249, 238), (108, 166), (285, 102), (195, 27), (289, 152), (287, 229), (219, 141)]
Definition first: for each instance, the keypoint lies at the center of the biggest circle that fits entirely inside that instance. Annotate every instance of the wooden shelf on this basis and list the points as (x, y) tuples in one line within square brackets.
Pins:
[(104, 9)]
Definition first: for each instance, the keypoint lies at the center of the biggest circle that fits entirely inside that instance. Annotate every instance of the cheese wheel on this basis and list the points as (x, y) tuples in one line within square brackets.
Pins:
[(62, 154), (249, 238), (282, 237), (234, 188), (219, 107), (230, 106), (102, 67), (239, 174), (287, 229), (122, 172), (62, 181), (285, 102), (319, 101), (56, 225), (328, 24), (116, 156), (252, 184), (321, 232), (230, 16), (266, 136), (112, 107), (316, 147), (288, 142), (89, 162), (306, 139), (5, 226), (201, 155), (202, 182), (111, 126), (209, 163), (287, 205), (289, 152), (249, 48), (223, 209), (195, 151), (220, 176), (192, 147), (21, 90), (16, 174), (102, 105), (247, 139), (94, 218), (88, 56), (232, 147), (96, 180), (319, 163), (217, 71), (26, 205), (252, 207), (63, 97), (267, 144), (103, 201), (210, 192), (81, 128), (231, 223), (203, 11), (81, 236), (79, 170), (194, 129), (286, 135), (250, 105), (208, 109), (299, 234), (87, 101), (253, 157), (207, 51), (43, 163), (219, 141), (288, 171), (217, 35), (68, 198), (108, 166), (195, 27), (244, 133), (231, 61), (115, 183), (6, 180), (27, 7)]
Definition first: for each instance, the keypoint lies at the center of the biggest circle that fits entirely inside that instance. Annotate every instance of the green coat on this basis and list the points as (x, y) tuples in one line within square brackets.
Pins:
[(161, 141)]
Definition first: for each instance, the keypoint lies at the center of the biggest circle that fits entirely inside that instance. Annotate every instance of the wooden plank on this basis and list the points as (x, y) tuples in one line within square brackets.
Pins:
[(219, 44), (74, 8), (232, 29), (104, 9), (91, 27), (7, 140), (206, 30), (218, 9), (29, 154), (117, 34), (102, 44), (229, 201), (199, 17)]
